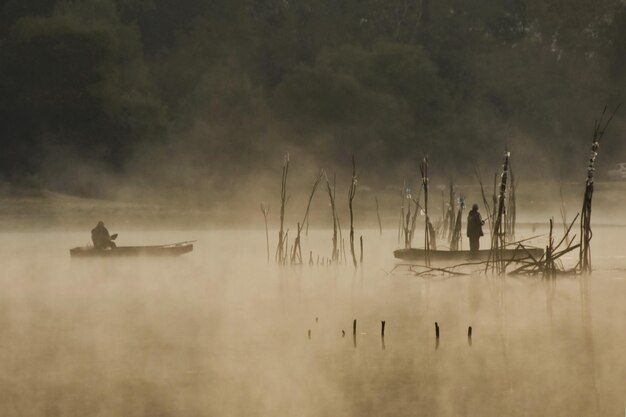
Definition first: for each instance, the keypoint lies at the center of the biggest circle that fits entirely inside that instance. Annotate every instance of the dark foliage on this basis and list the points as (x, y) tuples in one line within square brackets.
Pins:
[(219, 85)]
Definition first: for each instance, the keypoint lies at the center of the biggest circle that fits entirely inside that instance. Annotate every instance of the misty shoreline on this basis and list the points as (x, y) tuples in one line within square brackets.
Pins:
[(39, 209)]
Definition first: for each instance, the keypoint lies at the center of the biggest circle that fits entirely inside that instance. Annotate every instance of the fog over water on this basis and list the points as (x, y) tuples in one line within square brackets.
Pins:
[(174, 121), (223, 332)]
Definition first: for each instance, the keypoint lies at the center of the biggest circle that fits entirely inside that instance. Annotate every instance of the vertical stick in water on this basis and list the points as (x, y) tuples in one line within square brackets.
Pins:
[(285, 250), (361, 240), (331, 196), (407, 221), (494, 198), (283, 200), (450, 219), (296, 244), (456, 234), (265, 210), (411, 230), (380, 225), (401, 221), (563, 211), (498, 238), (549, 270), (490, 218), (584, 256), (424, 173), (351, 194), (297, 249), (443, 210), (511, 208)]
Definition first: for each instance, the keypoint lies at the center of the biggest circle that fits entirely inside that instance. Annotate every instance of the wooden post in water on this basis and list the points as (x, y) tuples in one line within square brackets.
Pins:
[(265, 209), (331, 195), (584, 256), (406, 221), (283, 201), (361, 240), (424, 173), (450, 218), (485, 202), (469, 335), (497, 259), (382, 334), (550, 266), (511, 212), (380, 224), (351, 194), (401, 221)]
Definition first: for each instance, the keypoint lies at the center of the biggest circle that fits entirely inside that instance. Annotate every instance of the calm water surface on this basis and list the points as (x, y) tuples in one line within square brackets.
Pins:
[(222, 332)]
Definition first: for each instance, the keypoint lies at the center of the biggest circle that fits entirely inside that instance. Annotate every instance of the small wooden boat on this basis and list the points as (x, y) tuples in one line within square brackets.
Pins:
[(413, 254), (174, 249)]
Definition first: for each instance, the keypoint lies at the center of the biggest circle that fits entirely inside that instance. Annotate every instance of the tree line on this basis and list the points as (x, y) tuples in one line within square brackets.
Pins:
[(146, 87)]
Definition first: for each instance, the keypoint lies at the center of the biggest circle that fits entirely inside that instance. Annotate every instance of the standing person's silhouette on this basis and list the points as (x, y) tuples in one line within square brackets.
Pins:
[(474, 228)]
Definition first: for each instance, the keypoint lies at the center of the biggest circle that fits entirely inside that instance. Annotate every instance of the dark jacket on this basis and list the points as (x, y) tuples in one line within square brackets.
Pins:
[(474, 224), (100, 237)]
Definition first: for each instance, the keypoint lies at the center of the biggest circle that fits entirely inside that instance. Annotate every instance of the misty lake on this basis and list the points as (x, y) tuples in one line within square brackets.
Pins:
[(222, 332)]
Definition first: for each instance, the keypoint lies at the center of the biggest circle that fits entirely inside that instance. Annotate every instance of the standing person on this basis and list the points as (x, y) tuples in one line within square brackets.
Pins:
[(474, 228), (101, 238)]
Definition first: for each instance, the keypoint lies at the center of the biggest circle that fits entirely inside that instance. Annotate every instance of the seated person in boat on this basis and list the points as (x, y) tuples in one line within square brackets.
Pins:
[(101, 238), (474, 228)]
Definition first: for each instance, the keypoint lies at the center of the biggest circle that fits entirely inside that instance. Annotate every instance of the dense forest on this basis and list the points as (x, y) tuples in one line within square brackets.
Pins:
[(163, 92)]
